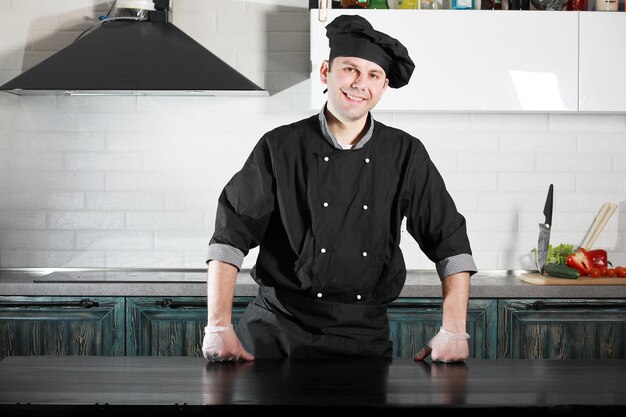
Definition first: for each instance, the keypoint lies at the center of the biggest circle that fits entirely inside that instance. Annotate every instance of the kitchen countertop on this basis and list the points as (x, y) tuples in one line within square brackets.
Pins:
[(185, 386), (192, 282)]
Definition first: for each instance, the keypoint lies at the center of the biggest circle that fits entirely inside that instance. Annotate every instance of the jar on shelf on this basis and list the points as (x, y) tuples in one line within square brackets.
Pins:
[(491, 4), (462, 4), (378, 4), (577, 5), (606, 5), (431, 4), (519, 4), (354, 4), (408, 4)]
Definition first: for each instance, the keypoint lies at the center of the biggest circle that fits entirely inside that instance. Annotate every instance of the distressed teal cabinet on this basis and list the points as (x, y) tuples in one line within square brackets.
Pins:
[(414, 321), (562, 329), (153, 326), (158, 326), (169, 326), (61, 326)]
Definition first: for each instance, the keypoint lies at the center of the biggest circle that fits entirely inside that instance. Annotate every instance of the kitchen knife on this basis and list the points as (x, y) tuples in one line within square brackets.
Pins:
[(544, 232)]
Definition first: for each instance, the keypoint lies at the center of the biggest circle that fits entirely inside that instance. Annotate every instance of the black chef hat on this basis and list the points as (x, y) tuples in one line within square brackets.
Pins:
[(352, 35)]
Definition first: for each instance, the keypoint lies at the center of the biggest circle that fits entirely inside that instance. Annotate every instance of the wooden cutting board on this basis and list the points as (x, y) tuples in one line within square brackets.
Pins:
[(538, 279)]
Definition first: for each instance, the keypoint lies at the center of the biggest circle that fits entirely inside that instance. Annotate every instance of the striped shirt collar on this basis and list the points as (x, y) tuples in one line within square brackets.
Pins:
[(331, 138)]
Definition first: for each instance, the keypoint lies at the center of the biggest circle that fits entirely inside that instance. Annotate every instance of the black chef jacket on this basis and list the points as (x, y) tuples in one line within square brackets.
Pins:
[(328, 221)]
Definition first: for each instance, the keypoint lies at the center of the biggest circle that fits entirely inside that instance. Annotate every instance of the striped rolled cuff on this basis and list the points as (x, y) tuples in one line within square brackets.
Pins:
[(463, 262), (225, 253)]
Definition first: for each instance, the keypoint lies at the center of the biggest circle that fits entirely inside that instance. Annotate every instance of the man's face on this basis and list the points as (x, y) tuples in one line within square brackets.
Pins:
[(354, 86)]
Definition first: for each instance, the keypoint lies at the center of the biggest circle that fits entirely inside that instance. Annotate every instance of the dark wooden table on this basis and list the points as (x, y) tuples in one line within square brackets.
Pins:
[(160, 386)]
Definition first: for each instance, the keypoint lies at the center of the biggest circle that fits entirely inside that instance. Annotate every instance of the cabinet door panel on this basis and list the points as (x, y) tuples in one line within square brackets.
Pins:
[(602, 62), (413, 322), (480, 61), (170, 327), (562, 329), (61, 326)]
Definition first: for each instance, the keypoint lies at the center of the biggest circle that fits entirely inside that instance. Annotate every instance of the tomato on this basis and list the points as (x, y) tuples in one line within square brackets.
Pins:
[(610, 272), (594, 272), (603, 271), (620, 271)]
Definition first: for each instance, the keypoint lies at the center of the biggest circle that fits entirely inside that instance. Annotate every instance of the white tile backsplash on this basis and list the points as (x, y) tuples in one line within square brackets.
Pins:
[(173, 220), (588, 123), (46, 200), (133, 258), (14, 219), (49, 180), (127, 200), (86, 220), (116, 240), (31, 161), (37, 240), (134, 181), (53, 258)]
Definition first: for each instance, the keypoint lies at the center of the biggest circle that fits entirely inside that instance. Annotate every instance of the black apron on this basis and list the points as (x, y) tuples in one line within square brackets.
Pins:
[(289, 325)]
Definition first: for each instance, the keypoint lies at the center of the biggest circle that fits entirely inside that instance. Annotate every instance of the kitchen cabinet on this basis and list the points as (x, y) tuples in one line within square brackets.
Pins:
[(483, 60), (530, 328), (414, 321), (160, 326), (602, 65), (61, 326), (562, 329)]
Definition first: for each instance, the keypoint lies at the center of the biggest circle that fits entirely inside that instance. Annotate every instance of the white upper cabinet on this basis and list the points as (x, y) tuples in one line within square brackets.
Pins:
[(602, 62), (477, 60)]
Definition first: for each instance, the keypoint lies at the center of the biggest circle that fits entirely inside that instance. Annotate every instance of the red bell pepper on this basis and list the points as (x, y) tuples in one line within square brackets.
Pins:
[(580, 261), (599, 258)]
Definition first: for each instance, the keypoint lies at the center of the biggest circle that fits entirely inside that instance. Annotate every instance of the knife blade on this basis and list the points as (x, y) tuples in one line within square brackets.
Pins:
[(543, 241)]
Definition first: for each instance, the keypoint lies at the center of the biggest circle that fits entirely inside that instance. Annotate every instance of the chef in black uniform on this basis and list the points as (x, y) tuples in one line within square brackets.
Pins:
[(324, 199)]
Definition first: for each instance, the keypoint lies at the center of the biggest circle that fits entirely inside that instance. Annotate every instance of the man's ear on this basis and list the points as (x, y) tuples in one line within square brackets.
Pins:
[(324, 71)]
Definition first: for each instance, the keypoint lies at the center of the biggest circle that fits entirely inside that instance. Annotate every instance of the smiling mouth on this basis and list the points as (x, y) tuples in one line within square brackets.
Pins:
[(354, 98)]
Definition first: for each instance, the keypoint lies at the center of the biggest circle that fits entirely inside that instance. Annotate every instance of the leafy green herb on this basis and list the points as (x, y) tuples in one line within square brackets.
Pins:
[(557, 254)]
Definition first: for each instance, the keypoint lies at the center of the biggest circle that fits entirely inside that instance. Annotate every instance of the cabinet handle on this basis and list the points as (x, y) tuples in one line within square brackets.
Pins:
[(541, 305), (85, 303), (169, 303)]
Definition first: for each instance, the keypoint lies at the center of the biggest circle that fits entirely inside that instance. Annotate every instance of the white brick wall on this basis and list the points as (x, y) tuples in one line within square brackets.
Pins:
[(133, 181)]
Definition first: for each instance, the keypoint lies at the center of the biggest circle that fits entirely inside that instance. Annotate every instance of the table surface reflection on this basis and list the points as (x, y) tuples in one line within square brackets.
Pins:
[(30, 384)]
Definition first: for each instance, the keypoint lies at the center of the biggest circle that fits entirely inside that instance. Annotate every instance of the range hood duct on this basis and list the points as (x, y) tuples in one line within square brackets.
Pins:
[(125, 57)]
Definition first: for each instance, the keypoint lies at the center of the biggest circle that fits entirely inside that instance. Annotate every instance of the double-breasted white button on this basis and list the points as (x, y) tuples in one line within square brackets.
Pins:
[(364, 206), (323, 250), (319, 295), (358, 296), (364, 254), (367, 160), (325, 204), (326, 159)]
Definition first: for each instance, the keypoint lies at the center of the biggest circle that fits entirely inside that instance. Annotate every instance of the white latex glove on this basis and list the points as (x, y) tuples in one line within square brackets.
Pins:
[(446, 347), (221, 344)]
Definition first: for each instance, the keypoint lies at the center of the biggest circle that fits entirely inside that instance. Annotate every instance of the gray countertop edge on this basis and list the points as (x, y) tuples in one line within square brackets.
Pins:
[(191, 283)]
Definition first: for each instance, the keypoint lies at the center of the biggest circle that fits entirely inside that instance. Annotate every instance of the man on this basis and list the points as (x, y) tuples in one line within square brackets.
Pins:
[(324, 199)]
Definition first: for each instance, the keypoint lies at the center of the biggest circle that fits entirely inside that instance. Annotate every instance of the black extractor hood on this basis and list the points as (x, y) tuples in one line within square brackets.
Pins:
[(128, 56)]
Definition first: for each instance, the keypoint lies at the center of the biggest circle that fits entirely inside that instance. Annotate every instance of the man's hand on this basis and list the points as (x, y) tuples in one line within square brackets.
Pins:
[(445, 347), (221, 344)]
